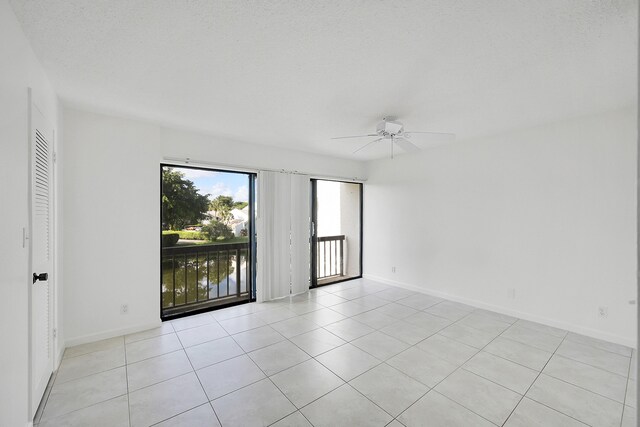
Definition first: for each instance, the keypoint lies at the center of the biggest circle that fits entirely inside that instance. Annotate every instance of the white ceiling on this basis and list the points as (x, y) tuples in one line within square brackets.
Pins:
[(293, 73)]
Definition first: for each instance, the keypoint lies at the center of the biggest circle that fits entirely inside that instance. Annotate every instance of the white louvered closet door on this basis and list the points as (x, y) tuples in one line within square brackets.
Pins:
[(41, 141)]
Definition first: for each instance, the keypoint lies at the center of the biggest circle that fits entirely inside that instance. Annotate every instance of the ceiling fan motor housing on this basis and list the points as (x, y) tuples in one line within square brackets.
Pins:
[(389, 127)]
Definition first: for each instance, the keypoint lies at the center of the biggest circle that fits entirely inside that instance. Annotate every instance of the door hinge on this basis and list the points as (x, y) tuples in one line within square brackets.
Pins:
[(55, 332), (55, 157)]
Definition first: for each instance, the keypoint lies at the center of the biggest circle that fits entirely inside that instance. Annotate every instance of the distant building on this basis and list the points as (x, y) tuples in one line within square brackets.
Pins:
[(238, 222), (242, 214)]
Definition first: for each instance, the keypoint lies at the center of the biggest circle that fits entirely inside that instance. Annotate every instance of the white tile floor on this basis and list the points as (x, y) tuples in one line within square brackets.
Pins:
[(358, 353)]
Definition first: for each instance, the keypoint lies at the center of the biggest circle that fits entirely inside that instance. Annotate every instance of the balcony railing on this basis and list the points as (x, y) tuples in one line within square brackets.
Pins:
[(330, 257), (200, 276)]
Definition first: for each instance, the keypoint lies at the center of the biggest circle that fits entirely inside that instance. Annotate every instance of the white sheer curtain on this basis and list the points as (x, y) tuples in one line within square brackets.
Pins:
[(282, 236), (300, 222)]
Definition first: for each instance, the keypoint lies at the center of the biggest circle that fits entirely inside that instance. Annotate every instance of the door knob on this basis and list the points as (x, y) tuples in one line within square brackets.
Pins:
[(42, 276)]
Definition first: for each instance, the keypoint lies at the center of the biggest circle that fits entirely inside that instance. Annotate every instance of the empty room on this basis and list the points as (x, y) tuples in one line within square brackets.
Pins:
[(319, 213)]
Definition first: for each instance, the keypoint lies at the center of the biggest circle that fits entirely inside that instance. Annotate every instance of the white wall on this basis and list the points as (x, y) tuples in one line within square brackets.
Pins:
[(329, 209), (549, 211), (19, 69), (350, 226), (112, 212)]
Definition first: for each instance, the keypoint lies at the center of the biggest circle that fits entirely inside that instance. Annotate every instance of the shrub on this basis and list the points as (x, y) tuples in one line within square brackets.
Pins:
[(192, 235), (170, 239), (216, 230)]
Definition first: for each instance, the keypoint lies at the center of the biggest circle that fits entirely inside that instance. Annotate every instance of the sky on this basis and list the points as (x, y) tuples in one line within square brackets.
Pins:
[(215, 183)]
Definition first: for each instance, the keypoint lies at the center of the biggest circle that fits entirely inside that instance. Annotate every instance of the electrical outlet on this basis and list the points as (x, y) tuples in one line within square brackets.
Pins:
[(393, 269), (124, 309), (603, 311), (511, 293)]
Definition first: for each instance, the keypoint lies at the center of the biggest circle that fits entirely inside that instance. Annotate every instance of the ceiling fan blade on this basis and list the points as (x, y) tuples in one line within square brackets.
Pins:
[(355, 136), (367, 144), (406, 145), (408, 134)]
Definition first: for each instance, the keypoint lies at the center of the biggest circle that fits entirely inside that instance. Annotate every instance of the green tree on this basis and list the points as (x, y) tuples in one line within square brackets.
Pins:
[(216, 230), (181, 203), (222, 205)]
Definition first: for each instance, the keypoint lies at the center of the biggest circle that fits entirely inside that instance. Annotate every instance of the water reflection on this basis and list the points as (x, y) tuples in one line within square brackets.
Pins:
[(203, 276)]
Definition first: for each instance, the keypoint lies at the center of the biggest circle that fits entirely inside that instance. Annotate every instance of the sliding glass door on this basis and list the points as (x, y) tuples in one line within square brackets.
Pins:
[(336, 250), (207, 239)]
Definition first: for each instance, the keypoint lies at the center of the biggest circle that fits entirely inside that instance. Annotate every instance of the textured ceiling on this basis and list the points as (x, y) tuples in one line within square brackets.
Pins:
[(294, 73)]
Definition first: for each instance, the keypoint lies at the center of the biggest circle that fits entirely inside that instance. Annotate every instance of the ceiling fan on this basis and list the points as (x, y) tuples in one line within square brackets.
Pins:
[(393, 131)]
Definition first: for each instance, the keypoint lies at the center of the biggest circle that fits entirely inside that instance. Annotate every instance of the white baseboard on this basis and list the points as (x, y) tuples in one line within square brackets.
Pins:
[(594, 333), (110, 334)]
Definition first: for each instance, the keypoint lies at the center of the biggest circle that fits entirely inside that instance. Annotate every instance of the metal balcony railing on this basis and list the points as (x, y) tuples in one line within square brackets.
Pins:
[(199, 276), (330, 256)]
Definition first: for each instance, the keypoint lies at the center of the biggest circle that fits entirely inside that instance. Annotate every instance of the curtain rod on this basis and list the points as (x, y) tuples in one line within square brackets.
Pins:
[(190, 161)]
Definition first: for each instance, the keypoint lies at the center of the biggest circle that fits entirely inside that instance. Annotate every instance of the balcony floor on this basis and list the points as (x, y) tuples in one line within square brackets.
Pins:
[(333, 279)]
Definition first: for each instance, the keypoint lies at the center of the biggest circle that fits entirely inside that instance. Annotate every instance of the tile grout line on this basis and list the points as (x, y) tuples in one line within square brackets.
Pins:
[(348, 382), (267, 377), (521, 395), (196, 373), (534, 381), (626, 390), (537, 376), (342, 379), (181, 413), (459, 367), (596, 347), (92, 404), (451, 373), (92, 351), (175, 376), (244, 353), (80, 409), (126, 376), (385, 361), (480, 350), (560, 412), (161, 354), (199, 382), (586, 389), (286, 397), (368, 309), (588, 364), (552, 353), (183, 348), (96, 372)]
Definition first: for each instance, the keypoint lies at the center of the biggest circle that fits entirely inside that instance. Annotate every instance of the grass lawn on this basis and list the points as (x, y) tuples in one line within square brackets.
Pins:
[(191, 243), (207, 242)]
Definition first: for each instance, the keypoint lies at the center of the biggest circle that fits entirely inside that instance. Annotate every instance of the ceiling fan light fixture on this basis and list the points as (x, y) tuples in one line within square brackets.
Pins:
[(393, 131), (389, 127)]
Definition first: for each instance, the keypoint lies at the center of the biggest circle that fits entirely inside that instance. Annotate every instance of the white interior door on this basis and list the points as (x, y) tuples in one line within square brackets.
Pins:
[(41, 249)]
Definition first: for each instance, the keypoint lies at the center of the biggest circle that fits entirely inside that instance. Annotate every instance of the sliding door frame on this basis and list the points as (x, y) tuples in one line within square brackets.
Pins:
[(251, 232), (313, 282), (314, 232)]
